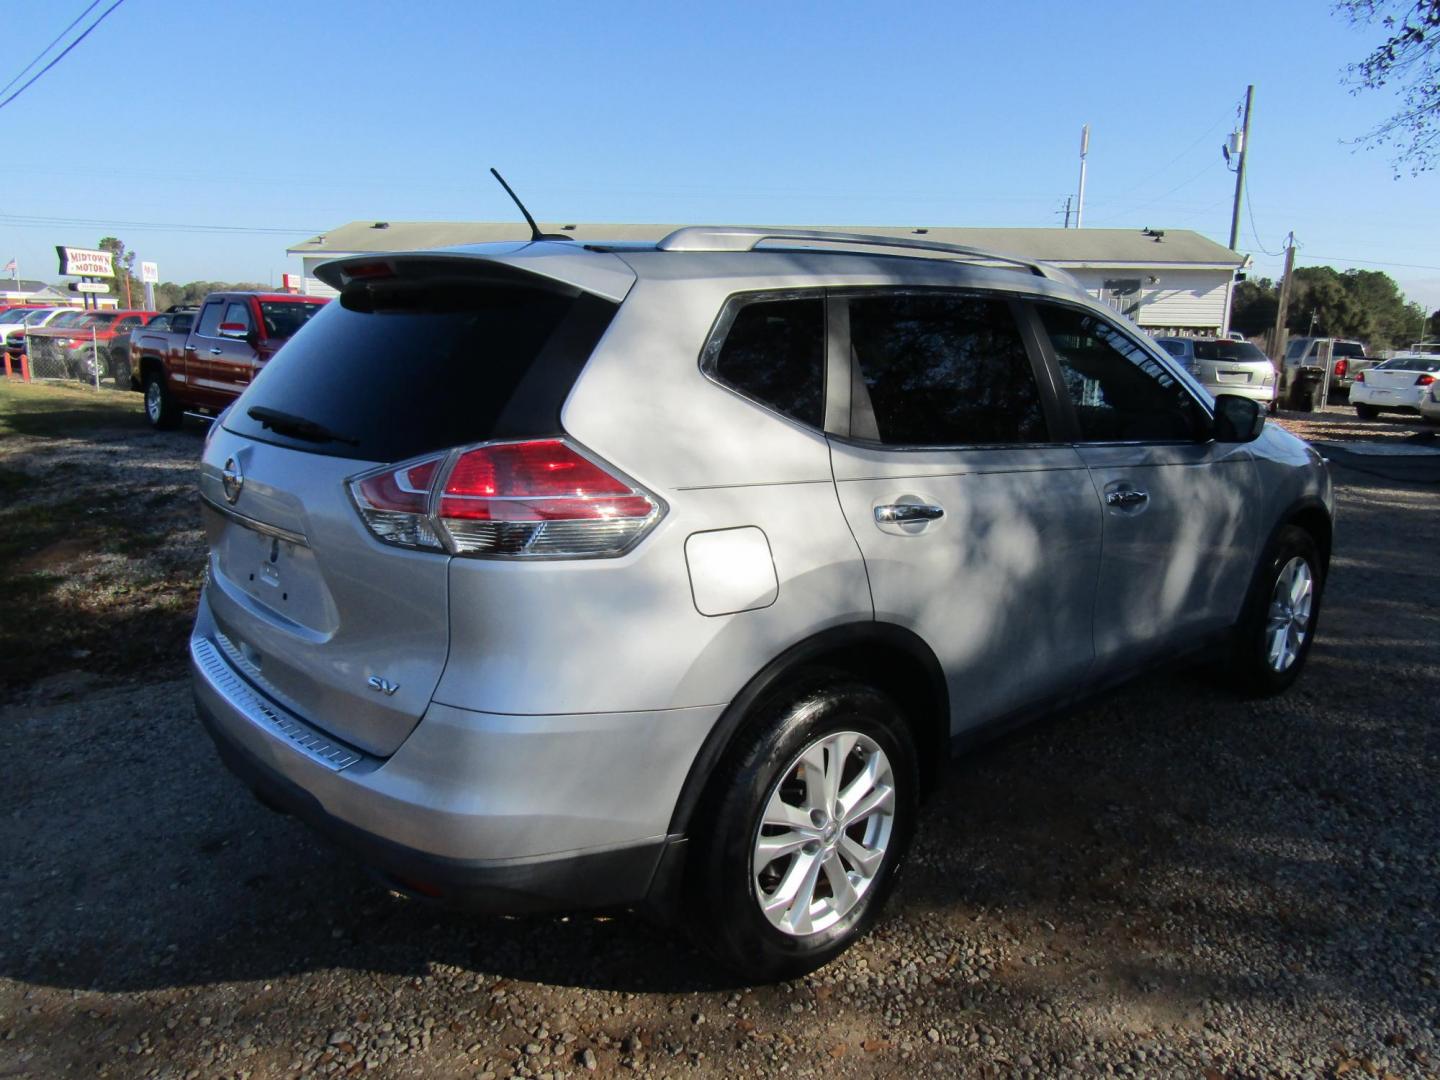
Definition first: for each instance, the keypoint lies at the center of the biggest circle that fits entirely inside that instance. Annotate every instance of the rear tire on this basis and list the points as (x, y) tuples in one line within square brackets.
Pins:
[(161, 409), (1274, 635), (1366, 412), (775, 901)]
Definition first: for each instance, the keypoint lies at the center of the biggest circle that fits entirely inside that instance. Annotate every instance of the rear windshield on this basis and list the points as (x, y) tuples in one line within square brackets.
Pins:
[(428, 369), (1237, 352), (1411, 363), (283, 318), (1173, 347), (1350, 349)]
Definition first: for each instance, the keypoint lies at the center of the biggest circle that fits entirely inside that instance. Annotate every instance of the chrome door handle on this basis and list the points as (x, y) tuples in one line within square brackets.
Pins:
[(189, 348), (216, 352), (903, 512), (1126, 498)]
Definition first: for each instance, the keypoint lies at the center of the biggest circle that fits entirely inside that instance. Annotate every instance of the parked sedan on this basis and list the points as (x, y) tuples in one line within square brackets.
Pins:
[(12, 332), (1397, 385), (1225, 366)]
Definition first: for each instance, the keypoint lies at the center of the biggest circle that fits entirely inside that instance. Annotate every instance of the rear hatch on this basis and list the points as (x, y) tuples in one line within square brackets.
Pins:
[(1232, 363), (424, 354)]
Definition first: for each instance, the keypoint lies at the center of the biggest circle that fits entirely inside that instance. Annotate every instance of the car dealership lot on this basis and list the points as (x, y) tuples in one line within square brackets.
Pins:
[(1171, 881)]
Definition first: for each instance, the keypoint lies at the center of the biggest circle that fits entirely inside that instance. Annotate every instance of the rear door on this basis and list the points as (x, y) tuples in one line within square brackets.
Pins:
[(203, 350), (347, 632), (979, 526), (1180, 537)]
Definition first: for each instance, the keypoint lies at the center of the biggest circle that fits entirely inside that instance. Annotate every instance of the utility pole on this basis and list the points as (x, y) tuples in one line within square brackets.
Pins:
[(1080, 202), (1066, 211), (1244, 149), (1277, 340)]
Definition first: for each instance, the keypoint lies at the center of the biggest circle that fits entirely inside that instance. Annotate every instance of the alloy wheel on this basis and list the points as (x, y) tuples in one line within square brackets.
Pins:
[(824, 833), (1288, 623)]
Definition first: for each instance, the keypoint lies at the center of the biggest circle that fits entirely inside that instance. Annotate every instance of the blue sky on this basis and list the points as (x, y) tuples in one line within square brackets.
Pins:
[(294, 118)]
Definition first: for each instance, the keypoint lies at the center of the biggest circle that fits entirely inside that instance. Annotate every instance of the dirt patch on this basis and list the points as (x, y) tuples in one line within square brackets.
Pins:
[(100, 539)]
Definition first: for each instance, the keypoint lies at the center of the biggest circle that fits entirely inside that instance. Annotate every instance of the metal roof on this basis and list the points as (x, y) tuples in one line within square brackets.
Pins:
[(1064, 247)]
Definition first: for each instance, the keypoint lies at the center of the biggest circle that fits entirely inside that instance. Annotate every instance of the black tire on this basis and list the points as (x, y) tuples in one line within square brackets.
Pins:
[(722, 898), (162, 411), (1252, 671), (1366, 412)]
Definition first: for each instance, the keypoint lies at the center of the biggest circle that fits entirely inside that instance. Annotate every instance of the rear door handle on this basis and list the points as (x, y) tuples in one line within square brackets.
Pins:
[(216, 352), (189, 348), (903, 512), (1129, 497)]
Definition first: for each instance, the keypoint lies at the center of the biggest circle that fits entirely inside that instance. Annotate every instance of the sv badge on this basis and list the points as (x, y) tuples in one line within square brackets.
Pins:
[(383, 685)]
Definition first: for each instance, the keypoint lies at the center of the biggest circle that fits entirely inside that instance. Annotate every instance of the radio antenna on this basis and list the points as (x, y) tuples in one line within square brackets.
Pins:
[(535, 233)]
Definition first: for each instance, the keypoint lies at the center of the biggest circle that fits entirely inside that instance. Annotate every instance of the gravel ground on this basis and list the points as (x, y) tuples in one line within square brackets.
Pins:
[(1170, 883)]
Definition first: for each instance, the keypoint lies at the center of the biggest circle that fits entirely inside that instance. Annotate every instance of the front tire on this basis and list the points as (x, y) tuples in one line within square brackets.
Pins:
[(1274, 636), (806, 825)]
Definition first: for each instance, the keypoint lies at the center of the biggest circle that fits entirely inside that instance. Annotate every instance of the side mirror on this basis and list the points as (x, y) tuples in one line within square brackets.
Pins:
[(234, 330), (1237, 419)]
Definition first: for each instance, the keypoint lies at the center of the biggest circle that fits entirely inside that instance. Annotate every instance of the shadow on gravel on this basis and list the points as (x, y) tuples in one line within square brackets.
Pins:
[(1172, 844)]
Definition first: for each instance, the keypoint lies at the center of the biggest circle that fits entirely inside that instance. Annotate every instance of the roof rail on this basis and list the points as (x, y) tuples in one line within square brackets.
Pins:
[(725, 238)]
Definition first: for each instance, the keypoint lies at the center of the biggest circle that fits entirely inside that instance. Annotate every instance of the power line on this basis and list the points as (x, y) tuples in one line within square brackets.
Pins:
[(1250, 206), (64, 53), (58, 38), (170, 226)]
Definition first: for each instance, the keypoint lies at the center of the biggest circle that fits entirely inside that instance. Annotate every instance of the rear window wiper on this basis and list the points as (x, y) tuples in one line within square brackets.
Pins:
[(283, 423)]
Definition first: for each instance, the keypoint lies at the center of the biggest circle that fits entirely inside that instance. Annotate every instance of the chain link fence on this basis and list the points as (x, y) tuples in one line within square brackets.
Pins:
[(77, 354)]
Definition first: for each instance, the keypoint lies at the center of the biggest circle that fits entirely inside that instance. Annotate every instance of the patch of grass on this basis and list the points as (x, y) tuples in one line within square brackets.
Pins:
[(43, 410)]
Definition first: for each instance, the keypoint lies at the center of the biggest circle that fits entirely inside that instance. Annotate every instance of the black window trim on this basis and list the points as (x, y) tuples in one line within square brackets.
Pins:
[(1057, 422), (1142, 341), (720, 329)]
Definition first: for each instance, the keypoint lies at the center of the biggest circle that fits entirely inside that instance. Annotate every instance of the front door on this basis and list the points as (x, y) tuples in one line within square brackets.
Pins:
[(980, 531), (1180, 538)]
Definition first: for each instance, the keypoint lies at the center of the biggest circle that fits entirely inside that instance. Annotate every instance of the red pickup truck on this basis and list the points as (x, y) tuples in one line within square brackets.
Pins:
[(201, 363)]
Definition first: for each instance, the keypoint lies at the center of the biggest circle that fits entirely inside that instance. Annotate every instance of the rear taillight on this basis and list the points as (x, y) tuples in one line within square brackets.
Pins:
[(540, 497), (1360, 376), (1340, 368), (1425, 380)]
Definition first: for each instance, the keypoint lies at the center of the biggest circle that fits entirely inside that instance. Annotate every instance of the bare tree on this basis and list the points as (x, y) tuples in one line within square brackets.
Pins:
[(1407, 61)]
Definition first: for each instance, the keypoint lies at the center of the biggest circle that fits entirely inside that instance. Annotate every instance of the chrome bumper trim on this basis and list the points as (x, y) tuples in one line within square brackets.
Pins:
[(262, 527), (319, 748)]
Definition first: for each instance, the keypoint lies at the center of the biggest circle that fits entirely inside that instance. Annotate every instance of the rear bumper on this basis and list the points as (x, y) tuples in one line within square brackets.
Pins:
[(496, 813), (1406, 399)]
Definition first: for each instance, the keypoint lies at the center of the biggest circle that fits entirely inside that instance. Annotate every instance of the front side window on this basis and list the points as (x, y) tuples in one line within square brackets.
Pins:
[(943, 370), (1120, 392), (774, 352), (237, 313)]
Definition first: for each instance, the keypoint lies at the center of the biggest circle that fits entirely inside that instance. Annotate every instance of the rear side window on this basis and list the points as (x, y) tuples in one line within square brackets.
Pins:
[(1120, 392), (210, 320), (942, 370), (774, 352), (426, 368)]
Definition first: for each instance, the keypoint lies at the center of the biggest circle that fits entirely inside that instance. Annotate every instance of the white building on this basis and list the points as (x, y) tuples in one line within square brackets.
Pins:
[(1166, 280)]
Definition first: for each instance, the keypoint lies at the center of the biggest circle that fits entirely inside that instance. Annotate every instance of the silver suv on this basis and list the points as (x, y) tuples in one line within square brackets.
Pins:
[(664, 577)]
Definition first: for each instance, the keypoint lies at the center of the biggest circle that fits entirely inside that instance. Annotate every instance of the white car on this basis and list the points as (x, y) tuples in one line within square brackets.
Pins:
[(12, 332), (1397, 385)]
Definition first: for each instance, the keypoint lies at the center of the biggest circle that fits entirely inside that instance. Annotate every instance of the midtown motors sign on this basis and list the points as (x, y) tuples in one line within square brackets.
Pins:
[(84, 262)]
